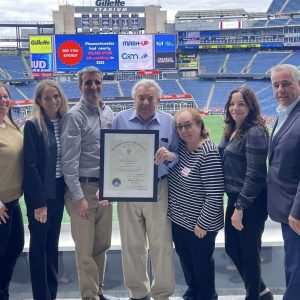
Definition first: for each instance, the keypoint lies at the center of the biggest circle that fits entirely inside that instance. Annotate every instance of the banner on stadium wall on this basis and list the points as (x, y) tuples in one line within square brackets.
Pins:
[(136, 52), (134, 22), (115, 22), (73, 52), (41, 62), (165, 48), (95, 23), (125, 19), (236, 24), (230, 46), (40, 44), (111, 52), (85, 23), (105, 23)]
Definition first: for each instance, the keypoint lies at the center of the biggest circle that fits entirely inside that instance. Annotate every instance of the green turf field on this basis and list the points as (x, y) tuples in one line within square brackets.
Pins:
[(215, 125)]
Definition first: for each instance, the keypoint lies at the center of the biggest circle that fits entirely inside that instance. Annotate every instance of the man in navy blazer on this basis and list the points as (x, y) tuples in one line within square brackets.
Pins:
[(284, 171)]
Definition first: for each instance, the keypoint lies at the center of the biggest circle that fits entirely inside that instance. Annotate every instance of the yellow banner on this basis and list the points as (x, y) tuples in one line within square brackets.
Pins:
[(40, 44), (229, 46)]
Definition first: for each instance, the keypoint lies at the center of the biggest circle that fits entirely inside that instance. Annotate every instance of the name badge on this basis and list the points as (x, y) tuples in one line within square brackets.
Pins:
[(185, 172)]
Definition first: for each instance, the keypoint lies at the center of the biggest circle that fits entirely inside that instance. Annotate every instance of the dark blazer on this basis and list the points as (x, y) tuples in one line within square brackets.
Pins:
[(40, 155), (284, 170)]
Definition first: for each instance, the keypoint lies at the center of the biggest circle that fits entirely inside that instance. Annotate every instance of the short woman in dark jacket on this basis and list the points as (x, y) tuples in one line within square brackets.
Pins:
[(44, 186), (244, 149)]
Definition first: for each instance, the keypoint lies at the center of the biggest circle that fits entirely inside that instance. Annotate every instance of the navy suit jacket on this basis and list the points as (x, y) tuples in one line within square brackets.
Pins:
[(39, 183), (284, 170)]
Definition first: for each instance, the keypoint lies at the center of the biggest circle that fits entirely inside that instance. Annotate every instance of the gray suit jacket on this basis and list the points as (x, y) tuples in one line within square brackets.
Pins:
[(284, 170)]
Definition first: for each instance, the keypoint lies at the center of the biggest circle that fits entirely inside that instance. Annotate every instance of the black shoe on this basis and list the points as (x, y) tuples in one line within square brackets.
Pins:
[(144, 298), (3, 295), (189, 294), (267, 296), (105, 297)]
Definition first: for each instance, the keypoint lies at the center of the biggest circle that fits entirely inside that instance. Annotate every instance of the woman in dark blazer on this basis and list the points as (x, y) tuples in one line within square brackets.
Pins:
[(244, 149), (44, 186)]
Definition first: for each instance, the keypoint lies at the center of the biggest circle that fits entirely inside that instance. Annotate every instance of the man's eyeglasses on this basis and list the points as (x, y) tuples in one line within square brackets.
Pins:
[(150, 98), (186, 126), (5, 97)]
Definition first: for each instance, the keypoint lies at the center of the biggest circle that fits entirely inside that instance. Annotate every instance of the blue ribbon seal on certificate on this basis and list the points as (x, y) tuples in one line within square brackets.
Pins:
[(116, 182)]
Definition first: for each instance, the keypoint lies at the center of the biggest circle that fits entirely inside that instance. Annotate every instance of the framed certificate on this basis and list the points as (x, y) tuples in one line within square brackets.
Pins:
[(127, 169)]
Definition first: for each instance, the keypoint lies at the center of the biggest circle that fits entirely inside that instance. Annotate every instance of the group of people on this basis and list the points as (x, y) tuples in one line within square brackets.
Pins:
[(59, 160)]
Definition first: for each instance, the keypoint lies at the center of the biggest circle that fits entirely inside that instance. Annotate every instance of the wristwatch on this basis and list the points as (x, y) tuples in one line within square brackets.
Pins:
[(238, 206)]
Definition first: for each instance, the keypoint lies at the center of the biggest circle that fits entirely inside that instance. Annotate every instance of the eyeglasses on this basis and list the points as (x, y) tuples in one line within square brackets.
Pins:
[(186, 126), (91, 82), (150, 98), (5, 97)]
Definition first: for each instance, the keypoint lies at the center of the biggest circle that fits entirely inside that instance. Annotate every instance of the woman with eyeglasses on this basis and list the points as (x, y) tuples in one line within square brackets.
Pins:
[(11, 222), (44, 186), (244, 148), (196, 188)]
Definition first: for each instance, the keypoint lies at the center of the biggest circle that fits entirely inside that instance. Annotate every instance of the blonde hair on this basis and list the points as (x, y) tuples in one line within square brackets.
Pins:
[(37, 109)]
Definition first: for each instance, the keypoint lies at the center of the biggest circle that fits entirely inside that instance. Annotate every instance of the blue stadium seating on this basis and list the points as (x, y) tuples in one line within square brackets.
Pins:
[(199, 89), (110, 90), (212, 62), (70, 89), (127, 87), (260, 23), (265, 60), (294, 59), (14, 66), (170, 87), (257, 85), (276, 6), (267, 101), (292, 6), (28, 89), (221, 92), (277, 22), (294, 21), (237, 61), (15, 94)]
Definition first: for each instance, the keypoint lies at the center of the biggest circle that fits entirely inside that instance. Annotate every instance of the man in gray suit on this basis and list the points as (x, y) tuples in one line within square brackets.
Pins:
[(284, 171)]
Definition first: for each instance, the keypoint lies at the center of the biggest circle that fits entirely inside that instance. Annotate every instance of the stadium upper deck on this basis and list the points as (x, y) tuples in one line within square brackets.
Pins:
[(218, 49)]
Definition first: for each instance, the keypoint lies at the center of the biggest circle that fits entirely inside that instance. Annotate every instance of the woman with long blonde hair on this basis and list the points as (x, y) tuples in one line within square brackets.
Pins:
[(44, 186)]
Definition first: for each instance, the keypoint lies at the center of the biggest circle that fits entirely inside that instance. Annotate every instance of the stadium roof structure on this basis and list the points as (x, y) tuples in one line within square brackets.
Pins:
[(197, 14)]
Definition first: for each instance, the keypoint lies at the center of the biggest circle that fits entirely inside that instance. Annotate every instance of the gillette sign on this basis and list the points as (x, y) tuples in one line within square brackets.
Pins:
[(110, 3)]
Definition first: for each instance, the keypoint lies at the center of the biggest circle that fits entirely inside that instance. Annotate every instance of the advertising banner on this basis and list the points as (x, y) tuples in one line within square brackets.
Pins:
[(95, 23), (105, 23), (85, 23), (41, 62), (165, 49), (40, 44), (134, 22), (165, 60), (73, 52), (115, 23), (125, 19), (135, 52)]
